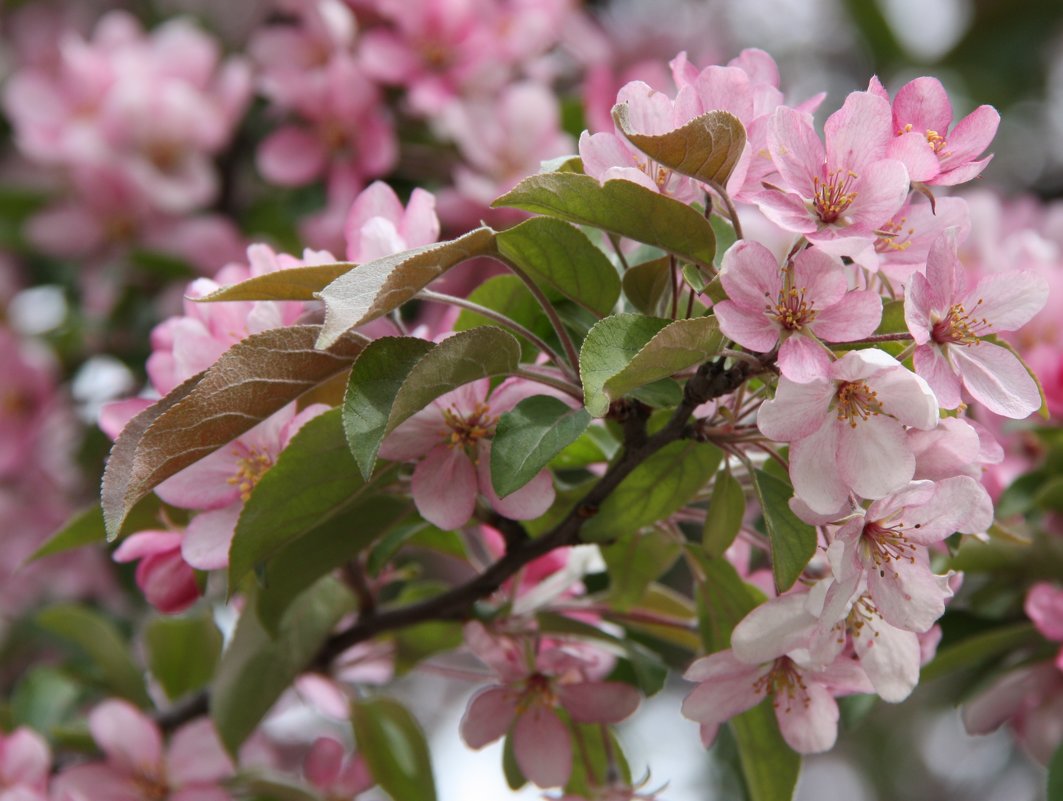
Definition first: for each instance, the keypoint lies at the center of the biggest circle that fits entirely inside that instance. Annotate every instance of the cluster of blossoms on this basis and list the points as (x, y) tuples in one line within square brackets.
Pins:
[(881, 333)]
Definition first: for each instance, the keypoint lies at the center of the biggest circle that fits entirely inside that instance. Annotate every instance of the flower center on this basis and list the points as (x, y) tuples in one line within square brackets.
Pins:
[(937, 142), (884, 544), (466, 430), (658, 174), (791, 310), (856, 401), (893, 236), (538, 689), (834, 195), (784, 683), (958, 327), (249, 471)]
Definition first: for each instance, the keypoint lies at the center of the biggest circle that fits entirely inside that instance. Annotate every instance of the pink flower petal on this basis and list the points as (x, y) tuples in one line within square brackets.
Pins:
[(874, 457), (797, 410), (196, 755), (291, 157), (801, 359), (997, 379), (323, 762), (857, 315), (931, 364), (889, 656), (444, 487), (857, 134), (796, 150), (815, 472), (543, 747), (1007, 300), (971, 136), (751, 329), (599, 701), (488, 716), (208, 537), (24, 758), (923, 104), (808, 720), (130, 739)]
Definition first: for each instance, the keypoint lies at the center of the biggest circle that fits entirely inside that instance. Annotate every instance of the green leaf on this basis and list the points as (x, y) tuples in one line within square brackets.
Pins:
[(274, 788), (634, 561), (99, 639), (256, 668), (554, 254), (329, 546), (976, 649), (592, 759), (647, 285), (619, 207), (395, 749), (380, 286), (706, 148), (608, 349), (87, 527), (723, 600), (593, 446), (509, 296), (1055, 775), (529, 436), (251, 381), (43, 698), (393, 384), (313, 481), (297, 283), (657, 488), (893, 321), (678, 345), (725, 235), (793, 542), (182, 652), (723, 518), (510, 769)]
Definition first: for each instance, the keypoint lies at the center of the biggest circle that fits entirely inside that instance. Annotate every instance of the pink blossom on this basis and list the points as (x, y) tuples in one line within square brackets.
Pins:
[(377, 225), (844, 189), (800, 303), (1044, 606), (28, 400), (25, 765), (451, 441), (846, 428), (524, 703), (948, 319), (137, 766), (166, 579), (337, 775), (1031, 700), (922, 116)]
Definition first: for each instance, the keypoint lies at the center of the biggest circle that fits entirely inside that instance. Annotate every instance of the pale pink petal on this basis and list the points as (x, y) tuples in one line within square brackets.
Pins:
[(997, 379), (857, 134), (787, 210), (377, 238), (543, 747), (808, 720), (958, 503), (797, 410), (751, 275), (815, 472), (420, 224), (130, 739), (889, 656), (916, 153), (923, 104), (904, 396), (1044, 606), (601, 151), (599, 701), (1007, 300), (146, 543), (444, 487), (95, 782), (931, 364), (801, 359), (206, 484), (629, 174), (114, 415), (751, 329), (526, 503), (874, 457), (821, 276), (291, 157), (962, 173), (796, 150), (907, 594), (416, 436), (857, 315), (196, 755), (971, 136), (772, 629), (918, 304), (376, 200), (323, 762), (24, 758), (881, 191), (208, 537), (488, 716)]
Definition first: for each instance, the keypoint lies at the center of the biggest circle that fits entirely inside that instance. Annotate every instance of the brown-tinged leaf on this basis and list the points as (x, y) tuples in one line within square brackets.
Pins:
[(706, 148), (251, 381), (377, 287), (297, 283)]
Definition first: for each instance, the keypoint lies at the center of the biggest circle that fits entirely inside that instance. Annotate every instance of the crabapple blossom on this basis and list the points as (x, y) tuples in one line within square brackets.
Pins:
[(377, 225), (934, 155), (337, 775), (1044, 606), (948, 319), (166, 579), (1030, 700), (137, 765), (534, 684), (846, 428), (450, 438), (798, 303), (25, 765)]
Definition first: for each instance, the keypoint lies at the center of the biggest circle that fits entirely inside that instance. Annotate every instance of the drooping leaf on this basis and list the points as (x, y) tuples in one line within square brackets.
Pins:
[(390, 383), (182, 652), (529, 436), (557, 255), (377, 287), (647, 285), (252, 380), (608, 349), (677, 346), (723, 518), (327, 547), (657, 488), (634, 561), (793, 541), (256, 668), (297, 283), (706, 148), (313, 481), (98, 639), (394, 747), (619, 207)]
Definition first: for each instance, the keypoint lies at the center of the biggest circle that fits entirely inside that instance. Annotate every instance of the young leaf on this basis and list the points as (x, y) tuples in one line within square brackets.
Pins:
[(620, 207), (793, 542), (634, 561), (678, 345), (182, 652), (657, 488), (607, 350), (251, 381), (647, 284), (314, 480), (706, 148), (557, 255), (529, 436), (377, 287), (390, 382), (723, 518), (96, 636), (255, 669), (297, 283), (509, 296), (395, 749)]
